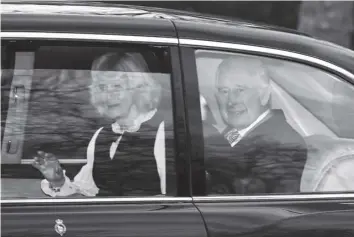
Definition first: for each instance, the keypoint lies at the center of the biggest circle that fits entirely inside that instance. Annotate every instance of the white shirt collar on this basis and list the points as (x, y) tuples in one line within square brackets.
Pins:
[(244, 131), (252, 125), (116, 128)]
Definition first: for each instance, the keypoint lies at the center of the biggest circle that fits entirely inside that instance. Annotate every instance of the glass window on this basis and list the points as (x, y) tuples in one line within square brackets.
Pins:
[(80, 120), (273, 126)]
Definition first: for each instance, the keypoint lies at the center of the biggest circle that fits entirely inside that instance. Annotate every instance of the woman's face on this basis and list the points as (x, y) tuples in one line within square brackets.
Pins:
[(113, 97)]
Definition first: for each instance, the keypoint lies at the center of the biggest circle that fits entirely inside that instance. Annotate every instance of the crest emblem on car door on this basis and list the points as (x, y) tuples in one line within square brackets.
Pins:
[(59, 227)]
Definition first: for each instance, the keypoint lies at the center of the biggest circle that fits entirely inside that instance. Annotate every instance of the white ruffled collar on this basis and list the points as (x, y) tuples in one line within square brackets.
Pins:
[(116, 128)]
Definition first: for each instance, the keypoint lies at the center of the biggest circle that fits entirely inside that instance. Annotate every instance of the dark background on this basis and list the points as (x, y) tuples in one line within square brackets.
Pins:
[(327, 20)]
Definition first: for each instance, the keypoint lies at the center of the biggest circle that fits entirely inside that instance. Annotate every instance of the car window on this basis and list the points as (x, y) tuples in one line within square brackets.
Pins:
[(273, 126), (83, 120)]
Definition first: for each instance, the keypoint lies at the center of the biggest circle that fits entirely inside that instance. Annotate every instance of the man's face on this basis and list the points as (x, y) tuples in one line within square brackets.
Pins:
[(239, 98)]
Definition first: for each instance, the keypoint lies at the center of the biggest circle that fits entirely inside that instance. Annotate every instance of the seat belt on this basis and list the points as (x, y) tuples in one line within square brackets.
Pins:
[(12, 144)]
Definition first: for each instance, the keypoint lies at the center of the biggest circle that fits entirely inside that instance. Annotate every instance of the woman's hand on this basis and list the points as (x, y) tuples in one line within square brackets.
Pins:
[(50, 167)]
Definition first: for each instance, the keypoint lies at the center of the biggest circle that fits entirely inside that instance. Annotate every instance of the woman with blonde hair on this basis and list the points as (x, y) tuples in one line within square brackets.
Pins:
[(127, 157)]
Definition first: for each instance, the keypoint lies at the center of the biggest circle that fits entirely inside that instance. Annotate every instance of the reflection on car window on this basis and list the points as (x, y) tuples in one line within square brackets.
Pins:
[(87, 121), (272, 126)]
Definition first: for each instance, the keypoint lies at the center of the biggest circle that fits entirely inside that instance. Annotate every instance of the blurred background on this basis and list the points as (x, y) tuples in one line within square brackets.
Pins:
[(328, 20)]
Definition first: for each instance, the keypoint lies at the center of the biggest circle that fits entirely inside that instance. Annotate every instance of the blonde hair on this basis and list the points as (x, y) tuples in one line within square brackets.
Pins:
[(132, 66)]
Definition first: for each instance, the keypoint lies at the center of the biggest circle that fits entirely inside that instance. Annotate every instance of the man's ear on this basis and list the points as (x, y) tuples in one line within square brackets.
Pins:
[(265, 95)]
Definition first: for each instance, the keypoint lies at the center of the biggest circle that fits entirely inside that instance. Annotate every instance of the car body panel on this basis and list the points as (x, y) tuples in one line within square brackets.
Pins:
[(87, 25), (275, 215), (266, 215), (279, 218), (150, 216), (105, 219)]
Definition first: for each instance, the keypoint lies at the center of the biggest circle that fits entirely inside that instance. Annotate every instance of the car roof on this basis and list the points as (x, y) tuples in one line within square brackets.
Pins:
[(101, 17), (114, 8)]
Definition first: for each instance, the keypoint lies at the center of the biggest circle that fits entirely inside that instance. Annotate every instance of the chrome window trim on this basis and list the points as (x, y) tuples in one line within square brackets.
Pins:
[(272, 197), (267, 51), (89, 200), (92, 37), (62, 161), (175, 41), (196, 199)]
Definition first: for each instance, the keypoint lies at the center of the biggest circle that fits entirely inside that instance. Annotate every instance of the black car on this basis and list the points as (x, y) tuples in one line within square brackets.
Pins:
[(171, 123)]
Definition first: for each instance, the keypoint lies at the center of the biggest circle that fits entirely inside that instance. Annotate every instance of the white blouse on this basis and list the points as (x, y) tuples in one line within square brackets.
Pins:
[(83, 182)]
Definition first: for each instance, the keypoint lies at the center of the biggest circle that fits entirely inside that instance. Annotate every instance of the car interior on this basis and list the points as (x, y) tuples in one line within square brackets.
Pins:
[(318, 105)]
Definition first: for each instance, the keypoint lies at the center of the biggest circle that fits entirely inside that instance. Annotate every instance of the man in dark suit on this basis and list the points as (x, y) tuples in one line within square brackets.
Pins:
[(258, 151)]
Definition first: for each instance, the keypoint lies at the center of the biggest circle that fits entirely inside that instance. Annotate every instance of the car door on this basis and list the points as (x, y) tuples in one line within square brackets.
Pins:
[(51, 101), (231, 187)]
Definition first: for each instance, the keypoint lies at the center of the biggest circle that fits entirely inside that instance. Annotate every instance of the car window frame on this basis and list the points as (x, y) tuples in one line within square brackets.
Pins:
[(188, 47), (182, 163)]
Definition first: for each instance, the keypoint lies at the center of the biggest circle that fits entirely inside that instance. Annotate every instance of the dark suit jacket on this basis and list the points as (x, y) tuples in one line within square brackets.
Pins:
[(269, 159)]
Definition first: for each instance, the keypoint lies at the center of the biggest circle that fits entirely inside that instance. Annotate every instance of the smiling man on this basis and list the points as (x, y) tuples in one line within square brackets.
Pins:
[(259, 151), (243, 95)]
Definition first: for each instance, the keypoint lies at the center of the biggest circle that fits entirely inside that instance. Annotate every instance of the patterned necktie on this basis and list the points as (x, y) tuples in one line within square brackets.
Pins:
[(232, 136)]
